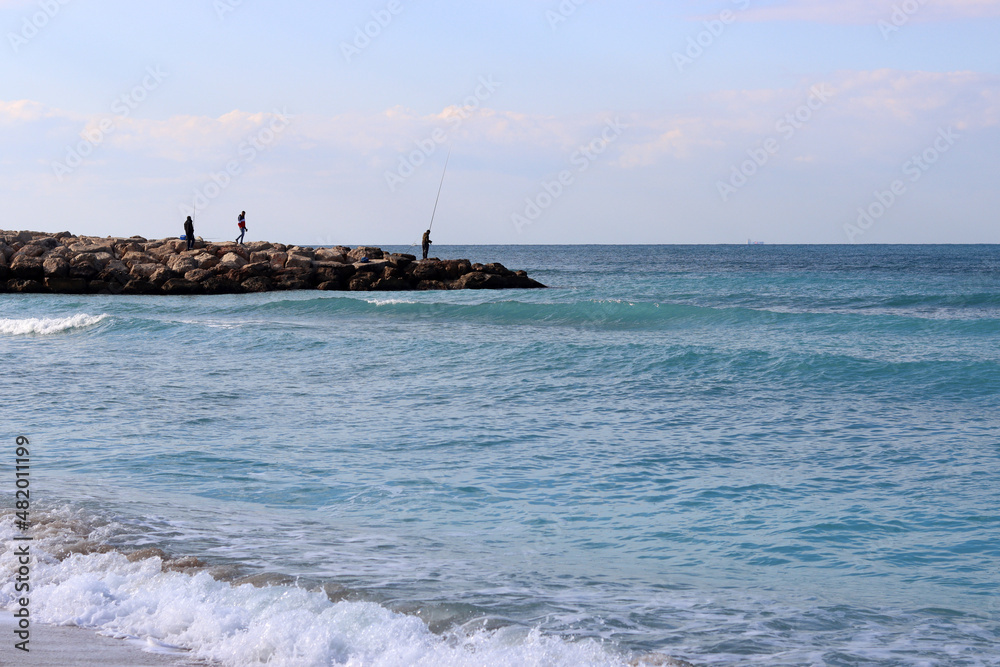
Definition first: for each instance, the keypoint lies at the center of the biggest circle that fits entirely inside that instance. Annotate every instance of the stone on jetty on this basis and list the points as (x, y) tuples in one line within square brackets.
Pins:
[(36, 262)]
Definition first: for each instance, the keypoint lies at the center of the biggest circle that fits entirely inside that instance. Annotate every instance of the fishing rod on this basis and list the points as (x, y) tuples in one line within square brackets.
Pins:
[(436, 200), (430, 226)]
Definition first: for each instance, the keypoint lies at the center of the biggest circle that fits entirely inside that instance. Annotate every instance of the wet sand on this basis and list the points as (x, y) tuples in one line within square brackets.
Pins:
[(56, 646)]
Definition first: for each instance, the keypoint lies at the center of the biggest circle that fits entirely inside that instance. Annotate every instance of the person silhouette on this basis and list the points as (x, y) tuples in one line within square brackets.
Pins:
[(189, 232), (425, 243), (242, 222)]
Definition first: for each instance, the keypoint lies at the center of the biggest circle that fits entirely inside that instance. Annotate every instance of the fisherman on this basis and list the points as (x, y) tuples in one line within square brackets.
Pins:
[(425, 243), (242, 222), (189, 232)]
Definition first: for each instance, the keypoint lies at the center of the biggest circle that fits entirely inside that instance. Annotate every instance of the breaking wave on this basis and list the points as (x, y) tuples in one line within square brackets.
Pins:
[(46, 326)]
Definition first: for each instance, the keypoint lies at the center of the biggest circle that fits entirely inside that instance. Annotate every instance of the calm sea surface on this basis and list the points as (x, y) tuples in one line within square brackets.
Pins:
[(730, 455)]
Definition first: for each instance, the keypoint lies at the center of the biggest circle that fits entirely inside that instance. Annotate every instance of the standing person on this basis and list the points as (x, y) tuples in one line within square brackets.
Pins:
[(425, 242), (242, 222), (189, 232)]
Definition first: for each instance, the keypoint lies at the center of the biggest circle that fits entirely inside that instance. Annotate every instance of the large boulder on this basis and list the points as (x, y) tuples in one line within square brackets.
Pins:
[(103, 259), (205, 260), (220, 285), (85, 266), (145, 271), (134, 257), (477, 280), (427, 270), (278, 260), (231, 261), (362, 282), (391, 284), (496, 269), (401, 260), (258, 284), (162, 275), (198, 275), (252, 271), (330, 255), (115, 272), (293, 279), (126, 248), (25, 286), (56, 267), (91, 247), (31, 250), (363, 251), (260, 256), (182, 263), (333, 272), (27, 267), (298, 261)]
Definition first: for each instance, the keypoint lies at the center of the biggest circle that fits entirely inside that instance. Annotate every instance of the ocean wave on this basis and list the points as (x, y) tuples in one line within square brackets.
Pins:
[(621, 314), (45, 326), (78, 579), (615, 314)]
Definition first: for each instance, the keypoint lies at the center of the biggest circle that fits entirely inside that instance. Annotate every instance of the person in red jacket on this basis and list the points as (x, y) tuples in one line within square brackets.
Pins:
[(242, 222)]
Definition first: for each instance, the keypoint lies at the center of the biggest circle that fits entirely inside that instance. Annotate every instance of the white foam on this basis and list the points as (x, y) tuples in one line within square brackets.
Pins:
[(388, 302), (48, 325), (246, 626)]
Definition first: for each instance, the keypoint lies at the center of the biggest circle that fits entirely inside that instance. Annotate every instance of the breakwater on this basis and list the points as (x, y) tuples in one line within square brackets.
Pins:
[(38, 262)]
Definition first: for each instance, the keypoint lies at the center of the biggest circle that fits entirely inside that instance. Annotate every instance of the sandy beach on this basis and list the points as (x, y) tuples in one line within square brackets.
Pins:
[(55, 646)]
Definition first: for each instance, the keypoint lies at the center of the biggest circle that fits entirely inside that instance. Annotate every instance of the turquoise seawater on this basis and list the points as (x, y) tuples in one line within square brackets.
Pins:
[(776, 455)]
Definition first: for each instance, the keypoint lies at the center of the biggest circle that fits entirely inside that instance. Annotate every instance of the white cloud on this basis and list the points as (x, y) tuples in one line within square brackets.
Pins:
[(325, 175), (873, 103), (868, 113)]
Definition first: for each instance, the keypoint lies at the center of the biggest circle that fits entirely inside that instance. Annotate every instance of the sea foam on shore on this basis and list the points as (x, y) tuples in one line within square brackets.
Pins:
[(179, 606)]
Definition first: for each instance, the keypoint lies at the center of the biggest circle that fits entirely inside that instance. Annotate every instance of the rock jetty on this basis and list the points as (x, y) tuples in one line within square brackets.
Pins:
[(35, 262)]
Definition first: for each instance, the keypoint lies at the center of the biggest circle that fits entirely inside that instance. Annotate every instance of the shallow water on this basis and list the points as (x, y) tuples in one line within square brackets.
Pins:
[(726, 454)]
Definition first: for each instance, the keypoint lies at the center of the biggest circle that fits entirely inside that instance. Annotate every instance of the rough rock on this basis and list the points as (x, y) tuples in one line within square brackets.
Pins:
[(27, 267), (329, 255), (230, 261), (258, 284), (64, 263), (180, 286), (361, 252), (56, 267), (25, 286)]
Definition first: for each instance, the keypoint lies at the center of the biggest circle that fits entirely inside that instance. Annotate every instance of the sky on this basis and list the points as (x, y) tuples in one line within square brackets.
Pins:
[(561, 121)]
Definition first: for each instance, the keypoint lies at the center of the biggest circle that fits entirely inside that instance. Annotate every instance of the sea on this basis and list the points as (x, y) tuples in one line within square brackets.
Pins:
[(715, 455)]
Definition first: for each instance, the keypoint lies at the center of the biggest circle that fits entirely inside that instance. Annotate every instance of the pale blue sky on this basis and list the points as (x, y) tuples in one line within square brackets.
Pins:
[(337, 157)]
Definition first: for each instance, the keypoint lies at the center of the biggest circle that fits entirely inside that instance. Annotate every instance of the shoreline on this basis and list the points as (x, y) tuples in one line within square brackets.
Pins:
[(61, 263), (74, 646)]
